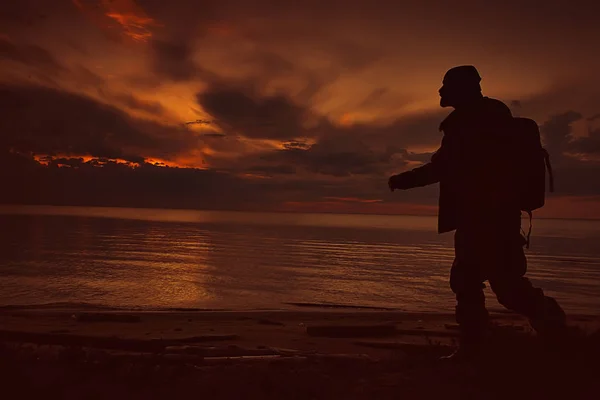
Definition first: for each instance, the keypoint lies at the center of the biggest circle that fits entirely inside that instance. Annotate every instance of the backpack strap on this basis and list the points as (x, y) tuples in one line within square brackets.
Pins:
[(528, 238), (549, 168)]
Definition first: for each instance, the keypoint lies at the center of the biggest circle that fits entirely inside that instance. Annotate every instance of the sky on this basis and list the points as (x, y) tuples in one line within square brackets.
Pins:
[(283, 106)]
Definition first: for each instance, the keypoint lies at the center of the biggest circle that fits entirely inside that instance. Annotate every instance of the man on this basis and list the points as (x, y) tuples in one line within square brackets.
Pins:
[(478, 199)]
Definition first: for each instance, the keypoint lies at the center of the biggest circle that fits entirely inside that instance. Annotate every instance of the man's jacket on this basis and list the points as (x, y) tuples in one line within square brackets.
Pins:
[(474, 169)]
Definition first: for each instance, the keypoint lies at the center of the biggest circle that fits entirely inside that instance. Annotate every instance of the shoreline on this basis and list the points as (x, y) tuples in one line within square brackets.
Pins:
[(280, 327), (275, 354)]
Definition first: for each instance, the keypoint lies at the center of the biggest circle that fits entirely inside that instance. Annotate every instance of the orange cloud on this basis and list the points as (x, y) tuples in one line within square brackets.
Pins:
[(346, 119), (134, 26), (130, 17), (46, 159), (354, 199)]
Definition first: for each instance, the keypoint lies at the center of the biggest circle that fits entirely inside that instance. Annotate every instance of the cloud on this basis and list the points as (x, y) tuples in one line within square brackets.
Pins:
[(575, 172), (296, 145), (28, 54), (558, 132), (173, 60), (270, 117), (374, 97), (335, 157), (114, 184), (560, 140), (589, 144), (49, 121), (130, 101), (311, 144), (307, 111), (86, 76), (119, 18), (137, 27)]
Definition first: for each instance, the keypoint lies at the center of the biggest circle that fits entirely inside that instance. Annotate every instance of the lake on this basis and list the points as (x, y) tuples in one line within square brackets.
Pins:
[(155, 258)]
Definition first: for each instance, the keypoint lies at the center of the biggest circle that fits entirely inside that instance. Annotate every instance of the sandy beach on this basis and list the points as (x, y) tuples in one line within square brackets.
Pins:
[(307, 352)]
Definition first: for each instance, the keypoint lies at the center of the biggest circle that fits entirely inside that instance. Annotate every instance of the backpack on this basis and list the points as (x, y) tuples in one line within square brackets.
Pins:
[(532, 162)]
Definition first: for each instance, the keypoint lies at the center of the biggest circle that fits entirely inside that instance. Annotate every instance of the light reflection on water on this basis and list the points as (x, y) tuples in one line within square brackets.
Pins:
[(181, 258)]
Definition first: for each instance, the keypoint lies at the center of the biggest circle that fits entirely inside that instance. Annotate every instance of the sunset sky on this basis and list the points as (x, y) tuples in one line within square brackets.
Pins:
[(278, 105)]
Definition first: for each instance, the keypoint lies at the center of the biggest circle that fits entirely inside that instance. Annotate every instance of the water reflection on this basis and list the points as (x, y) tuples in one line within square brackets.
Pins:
[(238, 260)]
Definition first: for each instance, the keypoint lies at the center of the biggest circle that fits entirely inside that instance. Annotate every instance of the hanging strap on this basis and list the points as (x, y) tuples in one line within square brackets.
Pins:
[(529, 231), (549, 168)]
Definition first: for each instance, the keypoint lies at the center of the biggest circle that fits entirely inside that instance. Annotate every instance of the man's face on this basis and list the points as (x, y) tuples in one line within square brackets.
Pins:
[(448, 95)]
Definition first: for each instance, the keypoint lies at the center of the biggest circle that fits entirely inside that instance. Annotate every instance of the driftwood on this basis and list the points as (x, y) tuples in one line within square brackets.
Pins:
[(349, 331), (109, 343)]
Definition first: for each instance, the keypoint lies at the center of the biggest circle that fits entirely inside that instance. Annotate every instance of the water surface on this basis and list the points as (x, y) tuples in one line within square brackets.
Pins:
[(203, 259)]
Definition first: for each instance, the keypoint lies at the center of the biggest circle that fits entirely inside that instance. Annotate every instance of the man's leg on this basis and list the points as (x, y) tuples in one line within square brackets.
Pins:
[(516, 293), (466, 281)]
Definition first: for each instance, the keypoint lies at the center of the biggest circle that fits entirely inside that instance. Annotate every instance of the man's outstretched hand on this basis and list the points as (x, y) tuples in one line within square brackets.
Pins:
[(401, 181), (394, 182), (391, 183)]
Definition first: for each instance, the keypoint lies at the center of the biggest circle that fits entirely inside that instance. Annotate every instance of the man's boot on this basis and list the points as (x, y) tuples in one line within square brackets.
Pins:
[(471, 342), (550, 322)]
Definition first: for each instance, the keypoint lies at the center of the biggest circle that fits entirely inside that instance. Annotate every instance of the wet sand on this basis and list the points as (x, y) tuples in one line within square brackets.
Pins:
[(307, 352)]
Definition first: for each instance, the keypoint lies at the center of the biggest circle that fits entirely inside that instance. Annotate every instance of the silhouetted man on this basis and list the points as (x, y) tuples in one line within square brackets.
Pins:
[(478, 199)]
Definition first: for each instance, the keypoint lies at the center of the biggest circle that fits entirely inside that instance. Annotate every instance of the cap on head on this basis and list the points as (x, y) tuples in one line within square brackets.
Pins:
[(462, 75)]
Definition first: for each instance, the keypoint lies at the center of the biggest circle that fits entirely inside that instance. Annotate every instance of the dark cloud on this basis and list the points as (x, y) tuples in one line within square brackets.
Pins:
[(174, 60), (104, 183), (272, 117), (337, 151), (574, 175), (115, 184), (559, 139), (172, 47), (32, 55), (557, 132), (589, 144), (49, 121), (335, 157), (405, 132), (248, 114)]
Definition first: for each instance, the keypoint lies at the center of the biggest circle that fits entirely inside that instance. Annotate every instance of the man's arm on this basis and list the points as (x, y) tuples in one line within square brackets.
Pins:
[(424, 175)]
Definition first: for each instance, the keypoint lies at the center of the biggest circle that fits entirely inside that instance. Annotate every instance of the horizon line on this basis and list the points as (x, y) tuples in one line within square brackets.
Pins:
[(264, 211)]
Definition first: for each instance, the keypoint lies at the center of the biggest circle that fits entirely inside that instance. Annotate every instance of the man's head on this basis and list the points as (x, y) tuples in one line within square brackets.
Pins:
[(460, 86)]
